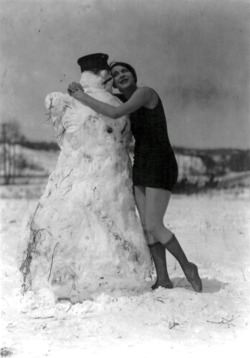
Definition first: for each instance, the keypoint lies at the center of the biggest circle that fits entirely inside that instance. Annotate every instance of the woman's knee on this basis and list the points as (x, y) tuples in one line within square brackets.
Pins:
[(152, 227), (158, 230)]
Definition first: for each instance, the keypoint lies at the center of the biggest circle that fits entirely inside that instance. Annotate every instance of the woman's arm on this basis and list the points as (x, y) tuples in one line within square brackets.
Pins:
[(141, 97)]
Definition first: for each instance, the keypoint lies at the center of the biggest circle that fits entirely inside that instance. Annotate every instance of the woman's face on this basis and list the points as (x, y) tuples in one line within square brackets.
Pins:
[(122, 77)]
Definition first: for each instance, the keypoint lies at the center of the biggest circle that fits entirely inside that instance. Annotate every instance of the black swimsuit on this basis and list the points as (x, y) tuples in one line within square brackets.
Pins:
[(155, 164)]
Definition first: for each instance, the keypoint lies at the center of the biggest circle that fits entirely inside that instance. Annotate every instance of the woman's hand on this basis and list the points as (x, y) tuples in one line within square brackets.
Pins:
[(76, 90)]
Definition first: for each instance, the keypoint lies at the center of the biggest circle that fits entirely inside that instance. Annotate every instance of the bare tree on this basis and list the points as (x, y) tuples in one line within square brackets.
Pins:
[(10, 136)]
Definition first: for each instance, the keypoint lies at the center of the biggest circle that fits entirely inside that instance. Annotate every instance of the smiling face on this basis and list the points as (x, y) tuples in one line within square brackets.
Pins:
[(123, 78)]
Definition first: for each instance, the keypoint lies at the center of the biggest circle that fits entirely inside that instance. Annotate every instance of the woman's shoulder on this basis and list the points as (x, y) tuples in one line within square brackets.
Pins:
[(146, 89), (150, 90), (154, 97)]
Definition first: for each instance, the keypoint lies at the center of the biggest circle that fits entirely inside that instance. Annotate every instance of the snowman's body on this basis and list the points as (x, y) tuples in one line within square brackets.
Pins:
[(85, 237)]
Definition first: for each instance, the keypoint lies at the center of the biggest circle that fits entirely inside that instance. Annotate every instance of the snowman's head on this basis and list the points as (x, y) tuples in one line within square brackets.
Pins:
[(97, 79), (95, 71)]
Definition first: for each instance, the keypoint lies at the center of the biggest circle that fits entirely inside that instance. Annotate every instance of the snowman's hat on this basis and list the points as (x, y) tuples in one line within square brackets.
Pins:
[(95, 61)]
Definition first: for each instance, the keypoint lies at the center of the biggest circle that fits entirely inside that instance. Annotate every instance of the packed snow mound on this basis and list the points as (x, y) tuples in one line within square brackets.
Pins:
[(84, 237)]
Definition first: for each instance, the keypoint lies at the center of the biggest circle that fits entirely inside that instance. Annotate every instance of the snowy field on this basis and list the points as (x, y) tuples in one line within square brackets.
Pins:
[(213, 229)]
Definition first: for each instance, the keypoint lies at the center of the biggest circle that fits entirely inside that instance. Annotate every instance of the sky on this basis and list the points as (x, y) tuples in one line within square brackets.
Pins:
[(194, 53)]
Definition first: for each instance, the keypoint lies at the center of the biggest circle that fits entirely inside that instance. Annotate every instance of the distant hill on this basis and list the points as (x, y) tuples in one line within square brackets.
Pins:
[(202, 169), (199, 169), (216, 160), (220, 160)]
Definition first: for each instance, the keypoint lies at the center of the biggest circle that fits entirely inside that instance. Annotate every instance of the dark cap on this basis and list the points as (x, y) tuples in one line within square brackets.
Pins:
[(94, 61)]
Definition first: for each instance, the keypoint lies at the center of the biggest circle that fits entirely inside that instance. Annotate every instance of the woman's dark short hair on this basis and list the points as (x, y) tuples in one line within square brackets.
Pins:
[(126, 65)]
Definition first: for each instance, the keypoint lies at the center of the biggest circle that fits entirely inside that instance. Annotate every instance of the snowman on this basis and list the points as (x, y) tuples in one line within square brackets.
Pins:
[(84, 237)]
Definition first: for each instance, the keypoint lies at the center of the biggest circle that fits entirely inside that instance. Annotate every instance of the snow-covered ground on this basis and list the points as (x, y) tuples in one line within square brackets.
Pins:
[(213, 229)]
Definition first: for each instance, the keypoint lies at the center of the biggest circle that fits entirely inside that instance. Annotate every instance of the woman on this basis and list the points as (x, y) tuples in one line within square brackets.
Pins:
[(155, 168)]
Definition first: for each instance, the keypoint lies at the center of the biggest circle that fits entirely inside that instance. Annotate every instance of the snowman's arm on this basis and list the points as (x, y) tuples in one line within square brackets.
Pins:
[(57, 104), (58, 128)]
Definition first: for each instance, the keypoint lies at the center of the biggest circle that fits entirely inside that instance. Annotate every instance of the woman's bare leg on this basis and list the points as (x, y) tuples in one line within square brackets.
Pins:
[(157, 250), (157, 201), (140, 201)]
